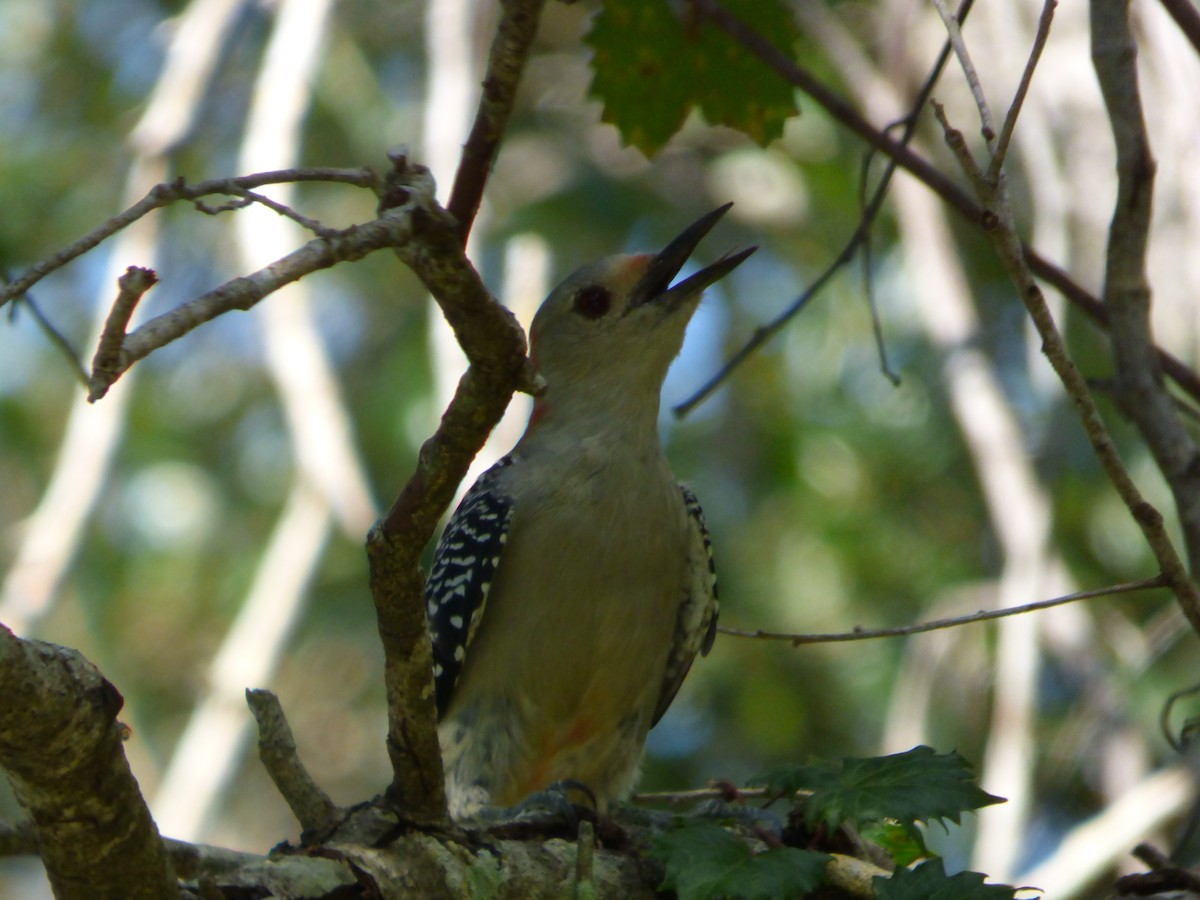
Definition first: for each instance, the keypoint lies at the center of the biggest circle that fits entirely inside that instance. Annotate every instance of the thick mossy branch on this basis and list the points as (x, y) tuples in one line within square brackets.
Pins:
[(60, 744)]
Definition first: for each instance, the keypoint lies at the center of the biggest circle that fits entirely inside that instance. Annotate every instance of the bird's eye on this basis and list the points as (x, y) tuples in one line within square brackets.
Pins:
[(593, 301)]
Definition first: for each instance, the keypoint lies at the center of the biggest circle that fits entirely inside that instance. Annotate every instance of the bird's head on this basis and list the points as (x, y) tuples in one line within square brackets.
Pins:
[(612, 328)]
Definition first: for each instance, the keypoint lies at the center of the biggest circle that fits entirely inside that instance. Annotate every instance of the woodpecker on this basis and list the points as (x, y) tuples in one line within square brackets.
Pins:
[(574, 584)]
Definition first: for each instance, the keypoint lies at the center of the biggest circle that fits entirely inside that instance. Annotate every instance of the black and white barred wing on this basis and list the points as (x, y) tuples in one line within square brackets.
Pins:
[(696, 624), (464, 566)]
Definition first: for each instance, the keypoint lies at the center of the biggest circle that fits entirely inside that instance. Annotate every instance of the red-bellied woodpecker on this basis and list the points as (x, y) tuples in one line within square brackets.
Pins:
[(574, 584)]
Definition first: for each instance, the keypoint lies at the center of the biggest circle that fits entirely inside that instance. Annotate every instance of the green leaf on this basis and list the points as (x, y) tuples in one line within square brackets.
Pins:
[(919, 785), (652, 67), (904, 845), (705, 861), (929, 881)]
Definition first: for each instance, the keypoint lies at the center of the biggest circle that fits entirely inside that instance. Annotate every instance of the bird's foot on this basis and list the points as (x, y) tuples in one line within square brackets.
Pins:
[(548, 812)]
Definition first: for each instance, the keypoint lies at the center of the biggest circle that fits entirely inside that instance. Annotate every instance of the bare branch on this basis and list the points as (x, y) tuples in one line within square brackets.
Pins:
[(277, 750), (1187, 17), (1179, 742), (170, 192), (920, 168), (866, 634), (132, 287), (964, 60), (495, 346), (390, 230), (57, 338), (510, 50), (247, 197), (999, 225), (1000, 151), (859, 240), (1141, 393)]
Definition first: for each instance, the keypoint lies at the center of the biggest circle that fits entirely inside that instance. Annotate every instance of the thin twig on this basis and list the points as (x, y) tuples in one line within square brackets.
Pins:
[(864, 634), (925, 172), (1014, 108), (954, 32), (510, 49), (228, 206), (1001, 229), (170, 192), (872, 207), (868, 282), (764, 333), (1178, 743), (390, 230), (287, 212), (57, 338), (693, 795), (860, 239), (132, 286)]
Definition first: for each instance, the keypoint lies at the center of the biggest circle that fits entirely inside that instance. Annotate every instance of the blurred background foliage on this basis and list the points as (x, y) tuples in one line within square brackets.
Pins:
[(835, 498)]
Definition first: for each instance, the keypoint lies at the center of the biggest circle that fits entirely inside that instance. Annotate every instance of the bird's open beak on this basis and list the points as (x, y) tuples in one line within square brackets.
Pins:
[(654, 285)]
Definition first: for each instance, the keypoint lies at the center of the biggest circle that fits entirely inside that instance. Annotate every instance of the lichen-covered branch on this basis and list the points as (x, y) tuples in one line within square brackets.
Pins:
[(60, 744), (277, 750)]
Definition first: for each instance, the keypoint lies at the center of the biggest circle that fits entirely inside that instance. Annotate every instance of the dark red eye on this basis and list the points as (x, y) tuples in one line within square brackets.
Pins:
[(593, 301)]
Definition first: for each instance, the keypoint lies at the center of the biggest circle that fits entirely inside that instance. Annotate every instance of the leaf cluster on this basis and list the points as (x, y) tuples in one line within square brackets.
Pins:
[(881, 799), (650, 72)]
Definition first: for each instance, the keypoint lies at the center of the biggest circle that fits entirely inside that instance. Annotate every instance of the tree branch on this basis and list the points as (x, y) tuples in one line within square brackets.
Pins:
[(866, 634), (60, 744), (506, 62), (355, 242), (57, 338), (1001, 229), (925, 172), (277, 750), (1140, 391), (170, 192), (1187, 17), (1000, 151), (495, 346), (132, 286), (859, 240)]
